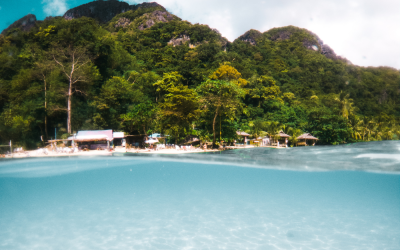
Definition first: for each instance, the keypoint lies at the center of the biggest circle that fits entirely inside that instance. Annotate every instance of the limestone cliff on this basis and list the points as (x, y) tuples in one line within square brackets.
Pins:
[(312, 42), (251, 36), (104, 11), (24, 24)]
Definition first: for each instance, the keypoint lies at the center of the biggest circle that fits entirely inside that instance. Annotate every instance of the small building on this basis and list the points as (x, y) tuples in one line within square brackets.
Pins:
[(243, 137), (136, 141), (280, 140), (119, 139), (94, 139), (265, 141), (306, 139), (260, 141)]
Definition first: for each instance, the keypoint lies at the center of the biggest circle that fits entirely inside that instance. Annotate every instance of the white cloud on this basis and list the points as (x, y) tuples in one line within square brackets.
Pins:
[(367, 32), (54, 7)]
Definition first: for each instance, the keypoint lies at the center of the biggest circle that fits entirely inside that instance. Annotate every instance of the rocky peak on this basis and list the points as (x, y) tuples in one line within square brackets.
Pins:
[(155, 17), (323, 48), (315, 44), (104, 11), (24, 24), (251, 36)]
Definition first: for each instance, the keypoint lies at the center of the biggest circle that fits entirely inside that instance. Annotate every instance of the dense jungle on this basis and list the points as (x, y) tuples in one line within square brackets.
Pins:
[(145, 70)]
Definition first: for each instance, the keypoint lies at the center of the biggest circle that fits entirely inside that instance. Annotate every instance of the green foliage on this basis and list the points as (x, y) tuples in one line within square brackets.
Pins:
[(221, 97), (179, 107), (261, 82)]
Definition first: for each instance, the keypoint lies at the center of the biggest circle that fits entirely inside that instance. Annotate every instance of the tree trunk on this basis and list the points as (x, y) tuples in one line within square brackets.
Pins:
[(69, 106), (45, 109), (220, 126), (215, 118), (45, 127)]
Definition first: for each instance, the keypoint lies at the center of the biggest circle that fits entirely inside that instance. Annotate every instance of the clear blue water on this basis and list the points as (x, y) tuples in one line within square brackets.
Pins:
[(206, 201)]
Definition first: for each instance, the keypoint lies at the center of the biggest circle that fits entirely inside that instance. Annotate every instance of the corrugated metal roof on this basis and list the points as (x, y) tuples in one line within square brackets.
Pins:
[(118, 135), (94, 135)]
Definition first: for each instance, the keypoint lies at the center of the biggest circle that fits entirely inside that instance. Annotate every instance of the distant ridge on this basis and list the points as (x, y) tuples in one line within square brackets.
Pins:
[(284, 33), (104, 11), (25, 24)]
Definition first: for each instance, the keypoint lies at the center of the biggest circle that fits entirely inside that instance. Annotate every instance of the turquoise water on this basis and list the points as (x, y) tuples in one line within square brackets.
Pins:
[(244, 199)]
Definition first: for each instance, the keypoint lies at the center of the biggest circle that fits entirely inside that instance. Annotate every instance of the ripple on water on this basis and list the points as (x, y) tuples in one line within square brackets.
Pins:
[(175, 203)]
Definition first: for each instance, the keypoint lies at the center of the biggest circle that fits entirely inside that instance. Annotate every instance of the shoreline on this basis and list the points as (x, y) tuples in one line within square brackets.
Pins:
[(39, 153)]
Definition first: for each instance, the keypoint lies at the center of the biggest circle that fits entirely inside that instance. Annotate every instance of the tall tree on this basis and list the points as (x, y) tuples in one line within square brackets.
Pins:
[(139, 116), (220, 97), (180, 106), (76, 64), (44, 68)]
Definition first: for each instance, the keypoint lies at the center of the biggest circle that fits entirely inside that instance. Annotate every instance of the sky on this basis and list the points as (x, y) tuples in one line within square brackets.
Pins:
[(366, 32)]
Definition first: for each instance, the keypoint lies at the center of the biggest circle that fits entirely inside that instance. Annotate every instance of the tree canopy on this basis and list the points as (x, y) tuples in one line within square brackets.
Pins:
[(171, 76)]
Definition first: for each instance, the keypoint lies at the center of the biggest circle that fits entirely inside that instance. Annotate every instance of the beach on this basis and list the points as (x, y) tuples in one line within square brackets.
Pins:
[(49, 153)]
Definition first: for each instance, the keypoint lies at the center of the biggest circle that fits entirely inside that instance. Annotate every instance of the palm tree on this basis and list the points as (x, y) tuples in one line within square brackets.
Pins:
[(346, 104), (257, 127), (294, 133), (356, 124), (391, 128), (366, 127), (273, 129)]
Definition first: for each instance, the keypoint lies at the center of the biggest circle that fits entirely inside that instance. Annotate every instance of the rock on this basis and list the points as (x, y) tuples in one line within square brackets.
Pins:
[(104, 11), (283, 35), (328, 52), (315, 44), (179, 41), (251, 36), (149, 19), (25, 24), (123, 22)]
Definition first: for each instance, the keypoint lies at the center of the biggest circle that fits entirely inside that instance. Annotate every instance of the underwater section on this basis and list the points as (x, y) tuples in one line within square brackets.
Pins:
[(172, 202)]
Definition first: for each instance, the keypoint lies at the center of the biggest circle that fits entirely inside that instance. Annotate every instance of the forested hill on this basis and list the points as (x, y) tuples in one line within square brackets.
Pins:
[(141, 69)]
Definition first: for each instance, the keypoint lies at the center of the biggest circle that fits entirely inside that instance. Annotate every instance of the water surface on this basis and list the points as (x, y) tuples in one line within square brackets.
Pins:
[(205, 201)]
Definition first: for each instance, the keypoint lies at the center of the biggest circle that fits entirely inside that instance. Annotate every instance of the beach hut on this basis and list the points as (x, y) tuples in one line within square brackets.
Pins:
[(306, 139), (94, 139), (243, 136), (136, 141), (119, 139), (280, 140)]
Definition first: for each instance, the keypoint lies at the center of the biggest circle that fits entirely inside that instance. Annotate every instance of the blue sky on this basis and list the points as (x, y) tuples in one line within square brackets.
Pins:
[(367, 32)]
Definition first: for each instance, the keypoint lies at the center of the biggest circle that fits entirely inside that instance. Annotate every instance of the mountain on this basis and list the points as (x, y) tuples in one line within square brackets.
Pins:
[(141, 60), (25, 24), (284, 33), (104, 11)]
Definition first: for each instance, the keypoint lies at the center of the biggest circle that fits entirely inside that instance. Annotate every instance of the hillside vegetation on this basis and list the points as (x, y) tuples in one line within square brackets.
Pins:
[(147, 70)]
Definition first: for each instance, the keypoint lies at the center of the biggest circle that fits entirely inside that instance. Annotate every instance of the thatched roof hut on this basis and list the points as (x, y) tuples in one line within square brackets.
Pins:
[(282, 134), (241, 133), (307, 136), (306, 139)]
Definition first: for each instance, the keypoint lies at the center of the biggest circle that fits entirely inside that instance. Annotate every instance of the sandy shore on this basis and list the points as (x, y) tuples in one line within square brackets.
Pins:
[(40, 153)]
